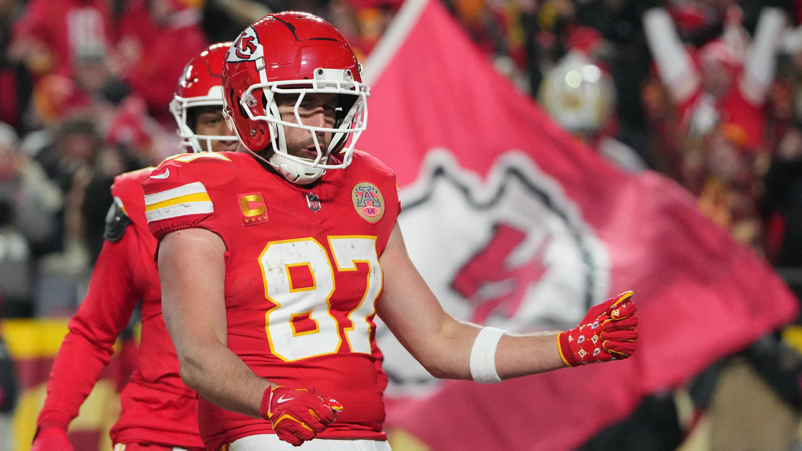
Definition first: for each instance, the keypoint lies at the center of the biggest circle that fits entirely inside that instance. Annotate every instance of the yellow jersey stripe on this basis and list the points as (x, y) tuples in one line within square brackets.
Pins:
[(189, 198), (183, 209), (183, 190)]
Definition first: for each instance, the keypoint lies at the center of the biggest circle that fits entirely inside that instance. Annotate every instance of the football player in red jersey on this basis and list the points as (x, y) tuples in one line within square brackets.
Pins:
[(300, 249), (159, 412)]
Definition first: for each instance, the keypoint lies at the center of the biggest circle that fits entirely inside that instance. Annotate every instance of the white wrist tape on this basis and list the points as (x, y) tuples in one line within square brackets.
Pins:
[(483, 355)]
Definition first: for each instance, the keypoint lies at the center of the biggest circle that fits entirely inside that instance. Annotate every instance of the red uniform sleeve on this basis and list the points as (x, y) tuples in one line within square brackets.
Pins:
[(175, 199), (87, 347)]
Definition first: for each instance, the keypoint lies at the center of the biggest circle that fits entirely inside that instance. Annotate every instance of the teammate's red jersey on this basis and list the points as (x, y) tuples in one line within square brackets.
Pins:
[(302, 276), (157, 408)]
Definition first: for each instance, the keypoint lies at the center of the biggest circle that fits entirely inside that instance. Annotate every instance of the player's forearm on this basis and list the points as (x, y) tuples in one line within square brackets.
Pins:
[(222, 378), (522, 355), (444, 345), (87, 348), (516, 355), (78, 366)]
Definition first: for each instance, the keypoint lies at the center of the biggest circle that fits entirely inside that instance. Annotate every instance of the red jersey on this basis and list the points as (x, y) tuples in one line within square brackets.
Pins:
[(302, 276), (733, 108), (157, 408), (153, 75), (67, 28)]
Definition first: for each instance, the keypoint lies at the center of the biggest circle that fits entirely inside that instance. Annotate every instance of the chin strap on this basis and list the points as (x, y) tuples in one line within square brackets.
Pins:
[(290, 170)]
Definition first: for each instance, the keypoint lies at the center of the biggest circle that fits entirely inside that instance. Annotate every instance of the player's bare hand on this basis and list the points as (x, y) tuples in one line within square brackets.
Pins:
[(52, 439), (608, 332), (297, 415)]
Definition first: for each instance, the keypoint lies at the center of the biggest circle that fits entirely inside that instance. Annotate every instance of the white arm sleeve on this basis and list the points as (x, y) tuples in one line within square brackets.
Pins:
[(673, 62), (761, 56)]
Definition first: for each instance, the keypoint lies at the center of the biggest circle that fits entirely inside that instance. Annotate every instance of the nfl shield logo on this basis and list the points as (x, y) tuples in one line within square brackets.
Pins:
[(313, 201)]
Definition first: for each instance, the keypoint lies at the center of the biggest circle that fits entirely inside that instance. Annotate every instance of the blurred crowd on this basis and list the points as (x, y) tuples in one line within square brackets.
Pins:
[(85, 88), (707, 92)]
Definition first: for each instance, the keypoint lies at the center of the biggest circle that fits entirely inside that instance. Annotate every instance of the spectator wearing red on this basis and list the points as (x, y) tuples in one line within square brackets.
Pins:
[(729, 185), (156, 37), (717, 86), (52, 34)]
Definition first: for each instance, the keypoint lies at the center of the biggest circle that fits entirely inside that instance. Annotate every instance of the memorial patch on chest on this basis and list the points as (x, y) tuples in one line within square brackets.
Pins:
[(368, 201)]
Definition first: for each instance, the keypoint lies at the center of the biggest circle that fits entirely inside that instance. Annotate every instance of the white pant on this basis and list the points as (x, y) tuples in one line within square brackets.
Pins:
[(271, 442)]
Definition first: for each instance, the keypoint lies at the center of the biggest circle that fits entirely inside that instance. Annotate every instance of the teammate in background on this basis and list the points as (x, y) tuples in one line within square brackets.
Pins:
[(158, 411), (274, 329)]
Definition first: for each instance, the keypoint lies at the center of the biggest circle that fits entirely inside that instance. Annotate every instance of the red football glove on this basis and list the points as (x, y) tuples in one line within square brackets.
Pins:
[(52, 439), (297, 415), (608, 332)]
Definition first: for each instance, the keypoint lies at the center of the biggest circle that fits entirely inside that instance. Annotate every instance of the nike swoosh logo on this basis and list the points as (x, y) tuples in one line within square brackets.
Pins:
[(163, 176), (283, 400)]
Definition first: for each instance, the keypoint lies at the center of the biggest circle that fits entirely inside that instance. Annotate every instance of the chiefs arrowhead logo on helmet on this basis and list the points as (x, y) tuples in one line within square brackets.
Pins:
[(245, 48)]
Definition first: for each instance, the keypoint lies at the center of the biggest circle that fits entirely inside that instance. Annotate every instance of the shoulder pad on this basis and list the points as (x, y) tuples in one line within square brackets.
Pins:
[(116, 222)]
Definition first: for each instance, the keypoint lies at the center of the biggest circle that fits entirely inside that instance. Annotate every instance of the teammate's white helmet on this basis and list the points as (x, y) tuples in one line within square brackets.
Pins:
[(200, 85)]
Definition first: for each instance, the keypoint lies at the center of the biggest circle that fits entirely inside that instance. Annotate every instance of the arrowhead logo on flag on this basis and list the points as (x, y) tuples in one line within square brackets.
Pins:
[(516, 225)]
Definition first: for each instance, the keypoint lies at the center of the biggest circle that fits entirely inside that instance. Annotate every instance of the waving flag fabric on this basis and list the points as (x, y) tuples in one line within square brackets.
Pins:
[(516, 225)]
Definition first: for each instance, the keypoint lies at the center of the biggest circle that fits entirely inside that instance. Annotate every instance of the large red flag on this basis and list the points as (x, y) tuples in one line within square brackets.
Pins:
[(516, 225)]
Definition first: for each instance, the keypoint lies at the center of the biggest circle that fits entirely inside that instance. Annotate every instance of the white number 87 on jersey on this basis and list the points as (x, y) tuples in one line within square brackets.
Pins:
[(312, 303)]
